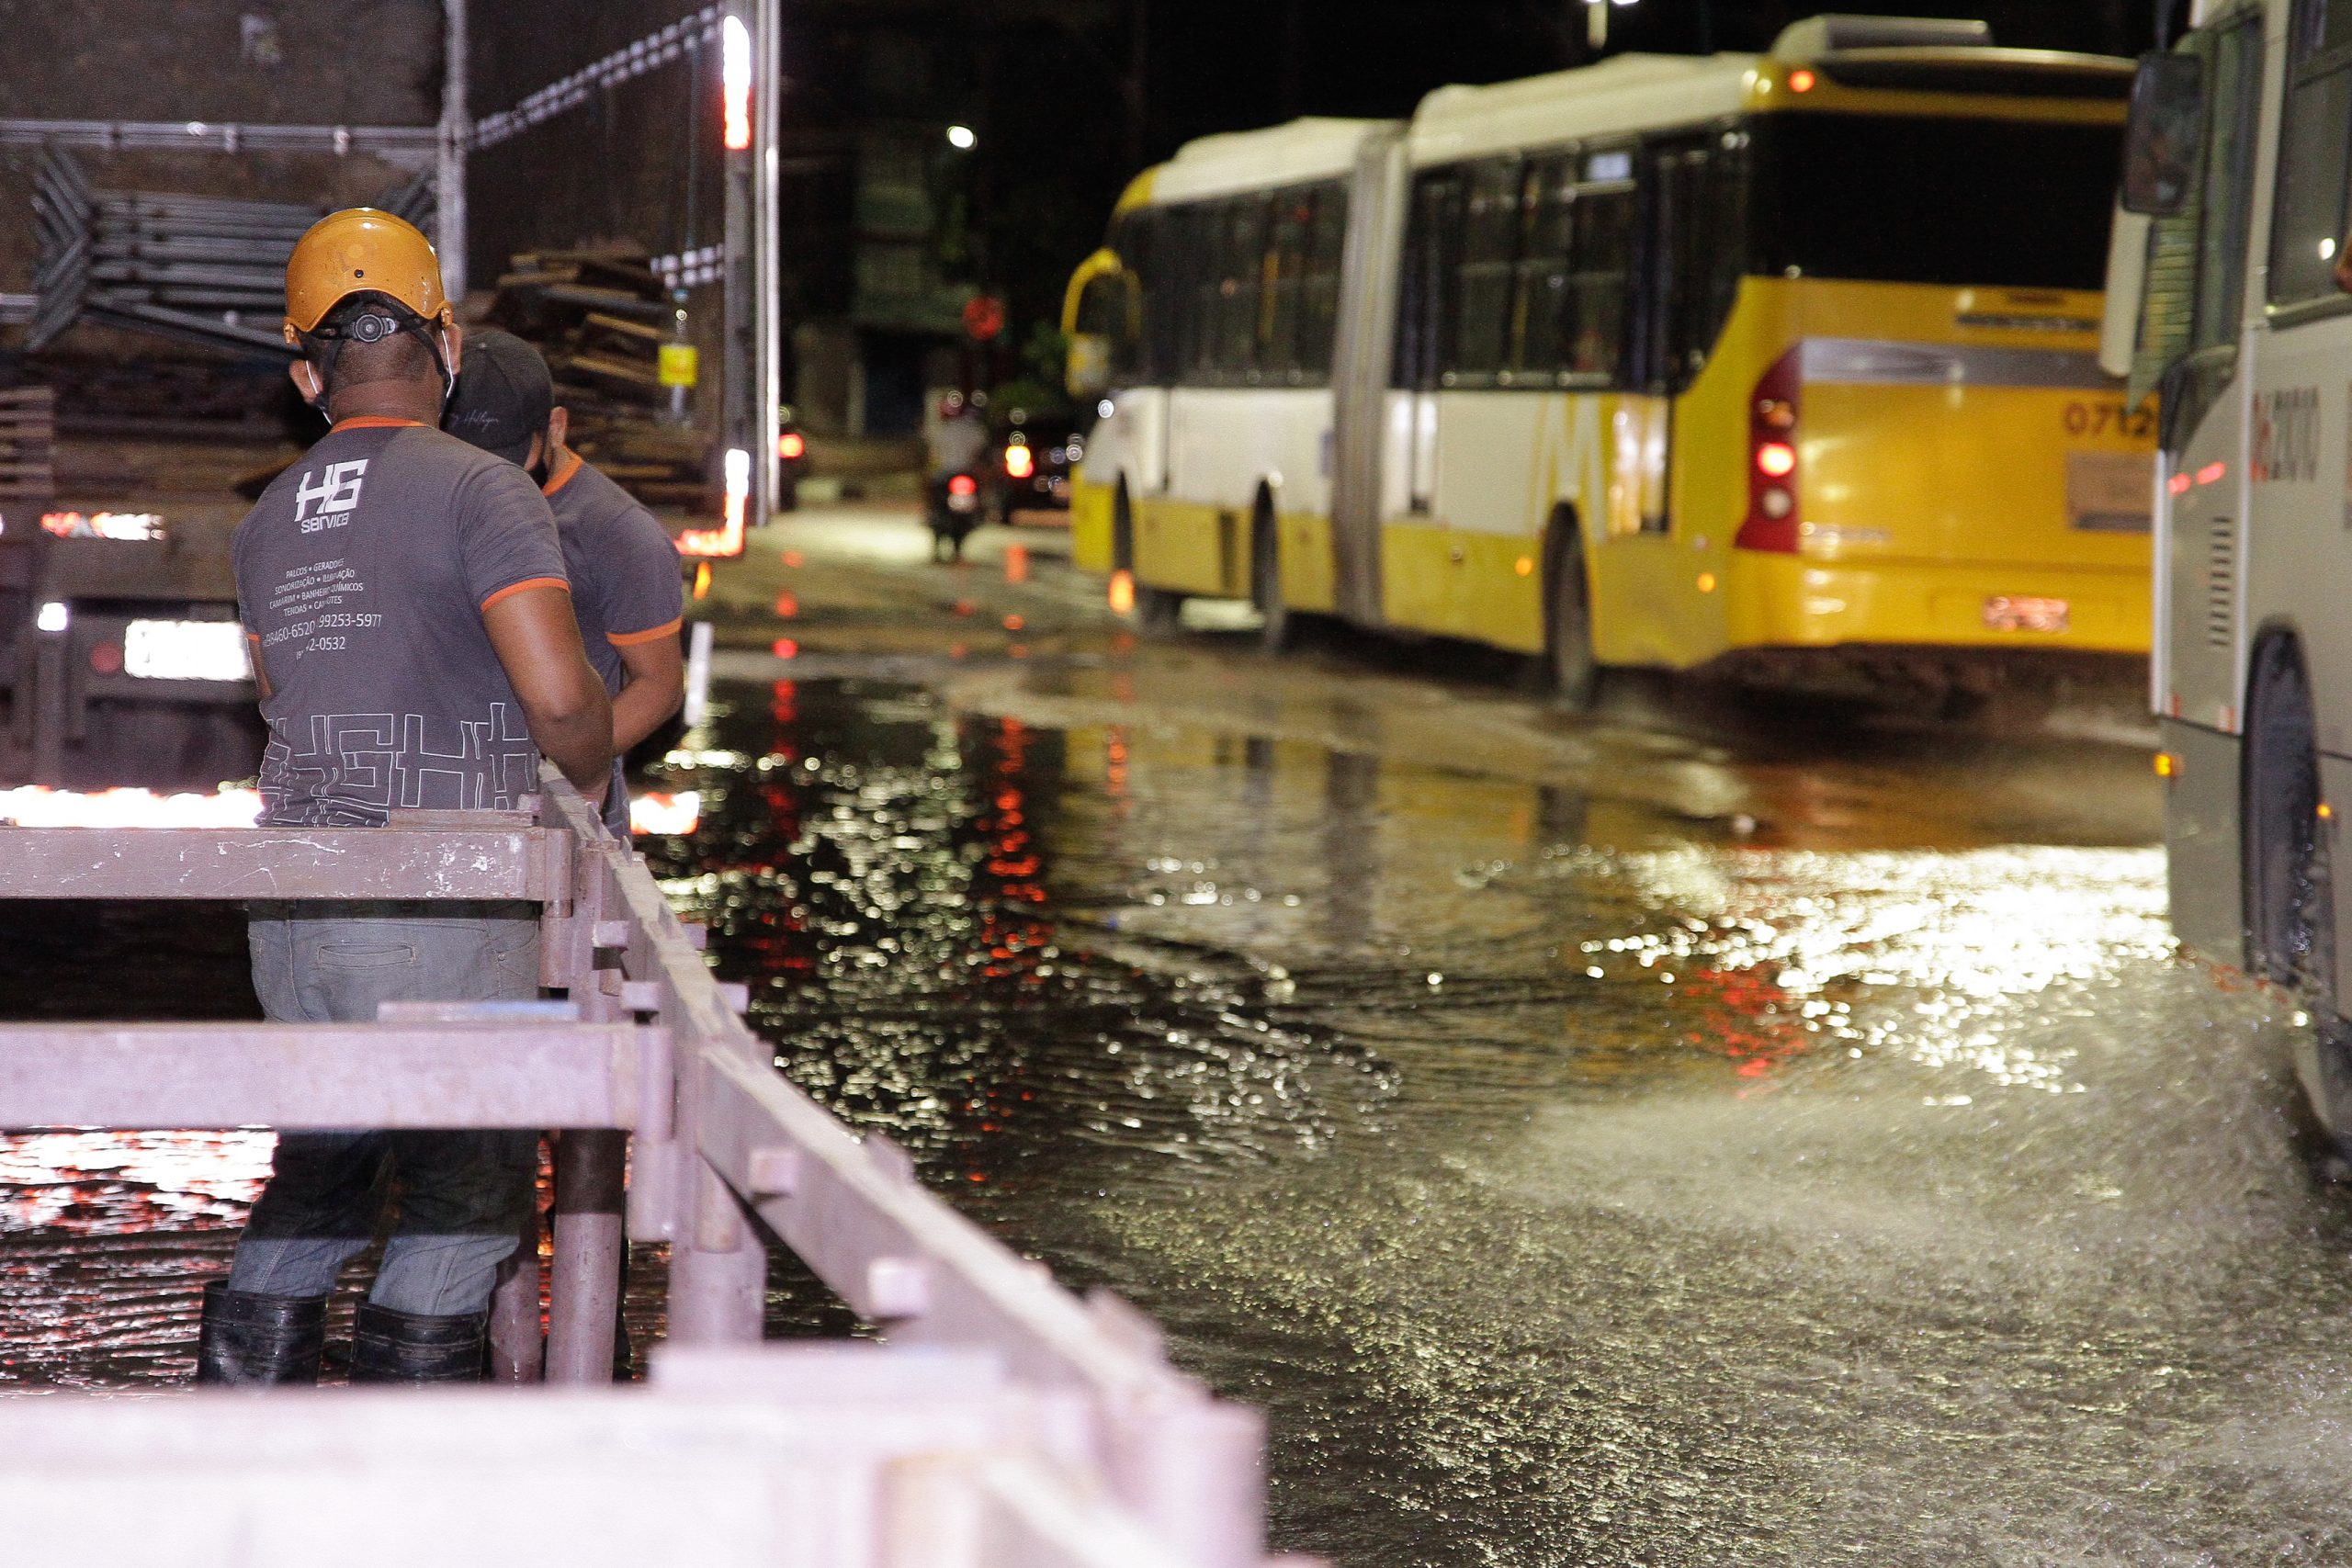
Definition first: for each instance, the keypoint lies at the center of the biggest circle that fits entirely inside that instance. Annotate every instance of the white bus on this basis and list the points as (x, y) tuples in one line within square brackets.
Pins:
[(1783, 364), (2239, 153)]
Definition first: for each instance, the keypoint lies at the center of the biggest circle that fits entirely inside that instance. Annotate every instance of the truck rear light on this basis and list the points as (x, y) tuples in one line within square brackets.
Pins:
[(105, 657), (1773, 460)]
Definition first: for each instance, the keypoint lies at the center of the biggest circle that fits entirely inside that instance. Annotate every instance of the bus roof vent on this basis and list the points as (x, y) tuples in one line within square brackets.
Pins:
[(1817, 36)]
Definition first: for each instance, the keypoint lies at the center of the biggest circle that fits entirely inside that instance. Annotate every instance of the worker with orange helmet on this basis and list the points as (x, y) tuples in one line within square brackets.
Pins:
[(404, 598)]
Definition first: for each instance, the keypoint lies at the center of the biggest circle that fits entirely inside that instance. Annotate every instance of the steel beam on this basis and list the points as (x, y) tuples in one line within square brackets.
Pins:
[(408, 146), (339, 864), (818, 1456), (525, 1074)]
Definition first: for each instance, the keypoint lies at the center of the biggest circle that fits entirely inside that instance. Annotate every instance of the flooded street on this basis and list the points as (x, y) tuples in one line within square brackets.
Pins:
[(1713, 1132)]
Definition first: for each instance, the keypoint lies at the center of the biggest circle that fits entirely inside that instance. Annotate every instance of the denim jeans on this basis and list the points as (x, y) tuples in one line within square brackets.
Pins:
[(464, 1195)]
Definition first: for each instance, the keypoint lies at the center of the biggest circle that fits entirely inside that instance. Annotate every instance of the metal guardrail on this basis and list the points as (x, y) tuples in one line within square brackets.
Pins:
[(1004, 1421)]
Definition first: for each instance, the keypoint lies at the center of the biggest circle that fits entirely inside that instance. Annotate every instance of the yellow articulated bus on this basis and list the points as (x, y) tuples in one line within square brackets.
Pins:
[(1784, 366)]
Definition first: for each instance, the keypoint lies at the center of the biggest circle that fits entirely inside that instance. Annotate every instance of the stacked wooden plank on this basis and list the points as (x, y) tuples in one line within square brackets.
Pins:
[(601, 318), (28, 448)]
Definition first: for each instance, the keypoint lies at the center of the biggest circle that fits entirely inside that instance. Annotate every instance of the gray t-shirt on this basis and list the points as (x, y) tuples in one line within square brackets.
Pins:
[(625, 586), (362, 576)]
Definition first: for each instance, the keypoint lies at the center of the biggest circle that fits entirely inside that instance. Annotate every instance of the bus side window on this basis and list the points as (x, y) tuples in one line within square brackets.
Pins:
[(1320, 298), (1699, 208), (1241, 268), (1173, 294), (2312, 144), (1599, 266), (1482, 297), (2195, 291), (1541, 325), (2229, 186), (1280, 303), (1423, 303), (1158, 294)]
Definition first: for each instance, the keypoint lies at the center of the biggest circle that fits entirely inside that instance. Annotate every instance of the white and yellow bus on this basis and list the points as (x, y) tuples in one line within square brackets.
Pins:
[(1782, 364)]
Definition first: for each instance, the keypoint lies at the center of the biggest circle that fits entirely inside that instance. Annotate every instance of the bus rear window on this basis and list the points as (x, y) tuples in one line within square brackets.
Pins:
[(1916, 199)]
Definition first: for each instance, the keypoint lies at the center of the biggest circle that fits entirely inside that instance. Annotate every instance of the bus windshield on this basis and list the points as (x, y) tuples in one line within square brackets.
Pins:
[(1902, 198)]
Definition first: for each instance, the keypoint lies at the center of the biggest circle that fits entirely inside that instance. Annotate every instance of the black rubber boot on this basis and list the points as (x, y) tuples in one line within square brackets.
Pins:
[(408, 1346), (256, 1341)]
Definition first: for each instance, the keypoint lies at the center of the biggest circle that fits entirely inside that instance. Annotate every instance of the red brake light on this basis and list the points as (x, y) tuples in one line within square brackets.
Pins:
[(1020, 462), (962, 484), (790, 445), (1771, 522)]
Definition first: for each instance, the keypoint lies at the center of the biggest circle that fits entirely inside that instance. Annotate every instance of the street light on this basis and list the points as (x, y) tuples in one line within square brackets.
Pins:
[(960, 137)]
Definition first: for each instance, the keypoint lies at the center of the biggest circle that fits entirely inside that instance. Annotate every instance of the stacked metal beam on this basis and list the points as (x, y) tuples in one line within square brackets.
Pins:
[(200, 269)]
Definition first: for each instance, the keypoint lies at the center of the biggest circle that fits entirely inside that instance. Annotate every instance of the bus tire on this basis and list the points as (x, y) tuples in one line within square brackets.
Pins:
[(1569, 672), (2290, 895), (1277, 625), (2289, 874), (1123, 531)]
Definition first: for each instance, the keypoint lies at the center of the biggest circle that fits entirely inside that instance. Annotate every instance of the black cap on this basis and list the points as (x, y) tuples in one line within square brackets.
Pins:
[(504, 395)]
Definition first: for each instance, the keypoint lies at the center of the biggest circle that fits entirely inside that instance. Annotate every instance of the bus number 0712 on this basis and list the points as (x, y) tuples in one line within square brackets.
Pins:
[(2110, 419)]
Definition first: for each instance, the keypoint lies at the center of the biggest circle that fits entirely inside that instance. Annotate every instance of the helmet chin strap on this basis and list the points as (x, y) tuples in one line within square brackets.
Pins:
[(325, 345)]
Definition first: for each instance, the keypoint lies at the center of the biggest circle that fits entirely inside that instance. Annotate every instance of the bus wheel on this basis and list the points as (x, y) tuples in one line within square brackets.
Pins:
[(1123, 531), (2290, 915), (1157, 608), (1568, 665), (2289, 880), (1277, 624)]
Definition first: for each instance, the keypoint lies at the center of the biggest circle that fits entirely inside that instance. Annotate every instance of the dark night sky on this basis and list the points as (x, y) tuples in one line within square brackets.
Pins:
[(1060, 137)]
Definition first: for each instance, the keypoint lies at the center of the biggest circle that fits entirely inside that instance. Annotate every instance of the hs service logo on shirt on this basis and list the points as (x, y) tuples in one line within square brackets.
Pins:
[(336, 493)]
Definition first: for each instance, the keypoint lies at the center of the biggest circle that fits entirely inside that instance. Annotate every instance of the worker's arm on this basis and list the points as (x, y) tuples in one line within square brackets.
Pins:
[(564, 703), (654, 688), (261, 676)]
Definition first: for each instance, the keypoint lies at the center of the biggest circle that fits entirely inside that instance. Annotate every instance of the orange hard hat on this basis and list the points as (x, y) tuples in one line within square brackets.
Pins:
[(361, 250)]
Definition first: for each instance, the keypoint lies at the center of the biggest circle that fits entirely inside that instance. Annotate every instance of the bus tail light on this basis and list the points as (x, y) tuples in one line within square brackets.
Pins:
[(1772, 461)]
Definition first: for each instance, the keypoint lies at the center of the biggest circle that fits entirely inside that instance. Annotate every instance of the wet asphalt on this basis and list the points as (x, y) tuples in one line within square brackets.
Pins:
[(1712, 1130)]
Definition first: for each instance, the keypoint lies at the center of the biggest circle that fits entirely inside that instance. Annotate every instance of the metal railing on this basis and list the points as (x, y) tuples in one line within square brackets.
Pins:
[(1003, 1421)]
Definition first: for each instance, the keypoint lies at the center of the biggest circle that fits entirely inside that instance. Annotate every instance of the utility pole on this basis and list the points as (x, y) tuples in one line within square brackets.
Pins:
[(449, 152)]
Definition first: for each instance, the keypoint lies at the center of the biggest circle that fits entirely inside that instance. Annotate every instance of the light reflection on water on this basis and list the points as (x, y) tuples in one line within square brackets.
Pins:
[(96, 1184), (1573, 1183)]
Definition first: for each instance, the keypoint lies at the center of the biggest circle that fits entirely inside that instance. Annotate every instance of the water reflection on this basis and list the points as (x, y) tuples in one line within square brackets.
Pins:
[(1573, 1181)]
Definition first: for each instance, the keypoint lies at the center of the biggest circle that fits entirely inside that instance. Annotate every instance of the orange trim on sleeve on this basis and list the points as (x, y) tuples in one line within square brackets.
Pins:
[(650, 634), (514, 588), (572, 463), (373, 421)]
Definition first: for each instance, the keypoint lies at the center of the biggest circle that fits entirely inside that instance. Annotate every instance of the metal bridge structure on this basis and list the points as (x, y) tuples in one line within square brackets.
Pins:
[(997, 1420)]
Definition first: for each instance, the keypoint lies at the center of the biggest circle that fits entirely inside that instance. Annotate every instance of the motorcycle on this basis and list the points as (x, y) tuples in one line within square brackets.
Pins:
[(952, 513)]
